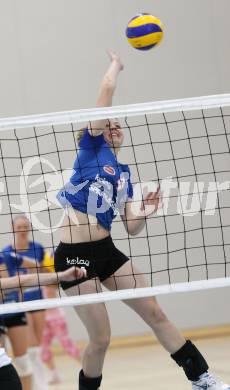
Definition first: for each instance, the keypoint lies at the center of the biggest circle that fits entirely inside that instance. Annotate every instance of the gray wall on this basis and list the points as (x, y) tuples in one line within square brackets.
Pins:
[(53, 53), (52, 59)]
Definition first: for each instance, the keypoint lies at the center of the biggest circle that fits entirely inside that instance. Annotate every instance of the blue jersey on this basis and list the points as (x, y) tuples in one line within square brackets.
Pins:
[(13, 263), (9, 296), (100, 185)]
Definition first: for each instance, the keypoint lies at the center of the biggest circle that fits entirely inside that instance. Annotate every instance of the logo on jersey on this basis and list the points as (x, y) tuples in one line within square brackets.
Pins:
[(78, 261), (109, 170)]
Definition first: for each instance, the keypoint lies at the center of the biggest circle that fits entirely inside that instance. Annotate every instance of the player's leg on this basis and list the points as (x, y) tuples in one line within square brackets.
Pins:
[(18, 339), (147, 308), (36, 324), (182, 351), (96, 322)]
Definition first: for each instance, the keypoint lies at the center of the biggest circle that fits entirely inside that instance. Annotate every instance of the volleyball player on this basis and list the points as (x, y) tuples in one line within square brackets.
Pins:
[(99, 187), (31, 323), (15, 325), (9, 379)]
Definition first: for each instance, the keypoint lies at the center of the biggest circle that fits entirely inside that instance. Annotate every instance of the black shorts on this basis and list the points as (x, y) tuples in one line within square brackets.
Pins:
[(17, 319), (9, 379), (100, 258)]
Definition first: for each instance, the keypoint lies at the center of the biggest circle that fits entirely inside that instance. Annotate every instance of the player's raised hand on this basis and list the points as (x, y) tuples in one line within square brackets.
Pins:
[(151, 203), (115, 57)]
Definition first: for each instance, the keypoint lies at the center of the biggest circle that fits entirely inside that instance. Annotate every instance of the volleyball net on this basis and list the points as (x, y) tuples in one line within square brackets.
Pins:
[(183, 145)]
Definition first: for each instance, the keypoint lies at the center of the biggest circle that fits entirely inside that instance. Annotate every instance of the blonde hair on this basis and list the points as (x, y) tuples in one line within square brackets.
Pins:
[(79, 134), (20, 216)]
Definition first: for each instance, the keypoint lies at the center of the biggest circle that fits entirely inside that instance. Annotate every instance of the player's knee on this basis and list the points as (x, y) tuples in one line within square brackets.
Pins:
[(101, 344), (158, 316), (23, 365)]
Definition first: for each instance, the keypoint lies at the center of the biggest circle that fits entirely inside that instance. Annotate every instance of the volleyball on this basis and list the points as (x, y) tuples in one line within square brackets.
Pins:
[(144, 31)]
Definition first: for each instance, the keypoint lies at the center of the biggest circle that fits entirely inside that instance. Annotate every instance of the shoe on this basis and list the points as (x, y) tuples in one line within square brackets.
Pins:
[(209, 382)]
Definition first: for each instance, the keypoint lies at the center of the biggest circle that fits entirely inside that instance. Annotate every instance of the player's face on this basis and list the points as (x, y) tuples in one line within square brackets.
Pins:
[(22, 228), (113, 134)]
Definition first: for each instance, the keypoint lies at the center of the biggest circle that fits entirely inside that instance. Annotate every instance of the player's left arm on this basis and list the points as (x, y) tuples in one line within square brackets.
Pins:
[(134, 221), (42, 279)]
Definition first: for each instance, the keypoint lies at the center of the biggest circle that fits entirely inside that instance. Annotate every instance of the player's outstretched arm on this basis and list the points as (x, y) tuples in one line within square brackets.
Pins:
[(42, 279), (106, 90)]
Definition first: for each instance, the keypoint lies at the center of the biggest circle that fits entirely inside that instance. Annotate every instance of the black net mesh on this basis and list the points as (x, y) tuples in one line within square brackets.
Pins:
[(187, 153)]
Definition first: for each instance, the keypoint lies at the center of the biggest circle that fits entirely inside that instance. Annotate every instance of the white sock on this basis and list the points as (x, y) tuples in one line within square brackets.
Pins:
[(38, 368)]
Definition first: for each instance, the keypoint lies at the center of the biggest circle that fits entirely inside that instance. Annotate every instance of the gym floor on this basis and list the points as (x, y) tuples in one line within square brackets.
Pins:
[(147, 367)]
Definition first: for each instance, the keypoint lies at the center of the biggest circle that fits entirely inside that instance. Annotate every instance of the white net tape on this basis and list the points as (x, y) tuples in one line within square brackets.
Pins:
[(85, 115), (108, 296)]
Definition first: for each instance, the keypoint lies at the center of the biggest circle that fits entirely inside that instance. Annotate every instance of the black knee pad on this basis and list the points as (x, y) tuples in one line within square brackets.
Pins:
[(89, 383), (190, 358)]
